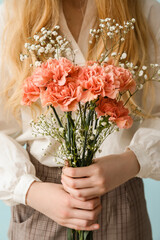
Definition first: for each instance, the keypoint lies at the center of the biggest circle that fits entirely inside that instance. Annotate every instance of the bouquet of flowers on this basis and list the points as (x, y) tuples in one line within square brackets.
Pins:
[(90, 97)]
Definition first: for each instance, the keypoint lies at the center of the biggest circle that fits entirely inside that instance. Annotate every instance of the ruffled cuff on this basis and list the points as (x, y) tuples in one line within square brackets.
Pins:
[(143, 159), (22, 187)]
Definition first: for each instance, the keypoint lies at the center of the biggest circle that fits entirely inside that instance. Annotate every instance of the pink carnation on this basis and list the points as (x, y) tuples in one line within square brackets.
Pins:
[(105, 81), (52, 81), (125, 79), (92, 81), (116, 112), (53, 70), (30, 92), (111, 81), (59, 82), (42, 76), (61, 69), (118, 80), (67, 96)]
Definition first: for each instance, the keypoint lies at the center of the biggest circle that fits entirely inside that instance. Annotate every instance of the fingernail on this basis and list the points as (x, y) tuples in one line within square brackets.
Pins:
[(66, 163), (96, 226)]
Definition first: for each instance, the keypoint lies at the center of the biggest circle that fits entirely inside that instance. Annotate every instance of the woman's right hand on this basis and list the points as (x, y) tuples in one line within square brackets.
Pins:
[(53, 201)]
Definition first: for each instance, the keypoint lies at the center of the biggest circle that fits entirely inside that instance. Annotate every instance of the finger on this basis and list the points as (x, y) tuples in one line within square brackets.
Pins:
[(77, 227), (78, 172), (83, 194), (86, 205), (78, 182), (66, 163), (86, 214), (81, 222)]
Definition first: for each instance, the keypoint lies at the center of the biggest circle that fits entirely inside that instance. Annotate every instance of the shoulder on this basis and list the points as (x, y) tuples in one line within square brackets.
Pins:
[(152, 14), (149, 6), (2, 17), (2, 20), (2, 12)]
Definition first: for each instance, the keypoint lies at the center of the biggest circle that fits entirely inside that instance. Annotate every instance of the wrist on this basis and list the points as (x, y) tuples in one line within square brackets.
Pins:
[(31, 193), (131, 163)]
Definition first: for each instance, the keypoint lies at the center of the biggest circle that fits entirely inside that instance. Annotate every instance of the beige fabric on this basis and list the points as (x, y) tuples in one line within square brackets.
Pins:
[(123, 217), (17, 172)]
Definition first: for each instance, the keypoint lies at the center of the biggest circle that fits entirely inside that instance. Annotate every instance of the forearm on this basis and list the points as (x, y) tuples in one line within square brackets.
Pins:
[(131, 164), (68, 212)]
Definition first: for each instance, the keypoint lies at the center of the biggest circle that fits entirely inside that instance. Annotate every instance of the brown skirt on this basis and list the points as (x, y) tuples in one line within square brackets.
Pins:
[(123, 216)]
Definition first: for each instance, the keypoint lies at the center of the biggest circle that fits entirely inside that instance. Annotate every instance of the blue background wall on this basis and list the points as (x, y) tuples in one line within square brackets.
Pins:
[(152, 191)]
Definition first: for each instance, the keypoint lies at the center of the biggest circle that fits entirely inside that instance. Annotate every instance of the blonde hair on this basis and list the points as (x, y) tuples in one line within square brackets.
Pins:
[(26, 18)]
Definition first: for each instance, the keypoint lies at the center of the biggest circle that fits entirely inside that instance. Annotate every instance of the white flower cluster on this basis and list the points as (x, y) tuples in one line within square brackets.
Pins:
[(23, 57), (112, 34), (156, 65), (154, 73), (143, 74), (47, 43), (47, 126), (63, 153), (136, 72), (109, 28)]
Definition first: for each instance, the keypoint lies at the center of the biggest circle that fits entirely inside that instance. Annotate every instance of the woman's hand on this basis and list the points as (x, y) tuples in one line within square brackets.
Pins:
[(104, 175), (53, 201)]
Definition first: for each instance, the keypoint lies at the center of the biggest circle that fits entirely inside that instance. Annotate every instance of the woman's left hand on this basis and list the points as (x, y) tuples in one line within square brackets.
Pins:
[(105, 174)]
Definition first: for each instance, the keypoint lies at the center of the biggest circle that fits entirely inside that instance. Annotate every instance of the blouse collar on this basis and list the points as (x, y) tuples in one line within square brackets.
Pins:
[(81, 46)]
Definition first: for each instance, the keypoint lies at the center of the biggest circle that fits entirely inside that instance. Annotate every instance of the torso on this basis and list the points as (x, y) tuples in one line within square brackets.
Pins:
[(74, 16)]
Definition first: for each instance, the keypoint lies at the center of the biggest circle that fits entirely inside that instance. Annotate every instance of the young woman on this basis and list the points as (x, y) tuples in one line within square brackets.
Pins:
[(107, 196)]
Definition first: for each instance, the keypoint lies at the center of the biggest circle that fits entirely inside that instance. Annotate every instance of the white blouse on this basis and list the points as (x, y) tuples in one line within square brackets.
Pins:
[(17, 172)]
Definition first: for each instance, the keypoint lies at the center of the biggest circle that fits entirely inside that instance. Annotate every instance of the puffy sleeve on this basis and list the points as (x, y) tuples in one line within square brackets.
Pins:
[(146, 140), (16, 171)]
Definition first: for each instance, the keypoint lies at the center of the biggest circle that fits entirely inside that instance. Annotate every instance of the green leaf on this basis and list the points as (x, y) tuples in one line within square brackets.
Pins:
[(86, 235), (69, 234)]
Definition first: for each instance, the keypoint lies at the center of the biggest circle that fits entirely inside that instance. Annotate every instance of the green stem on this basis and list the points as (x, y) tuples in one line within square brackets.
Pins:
[(80, 109), (58, 119), (131, 95), (71, 137), (79, 235), (96, 122), (68, 132), (89, 118), (85, 108), (60, 124)]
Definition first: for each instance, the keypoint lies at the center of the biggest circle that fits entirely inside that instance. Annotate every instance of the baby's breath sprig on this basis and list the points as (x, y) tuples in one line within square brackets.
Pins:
[(142, 74), (112, 34), (47, 126), (46, 44)]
